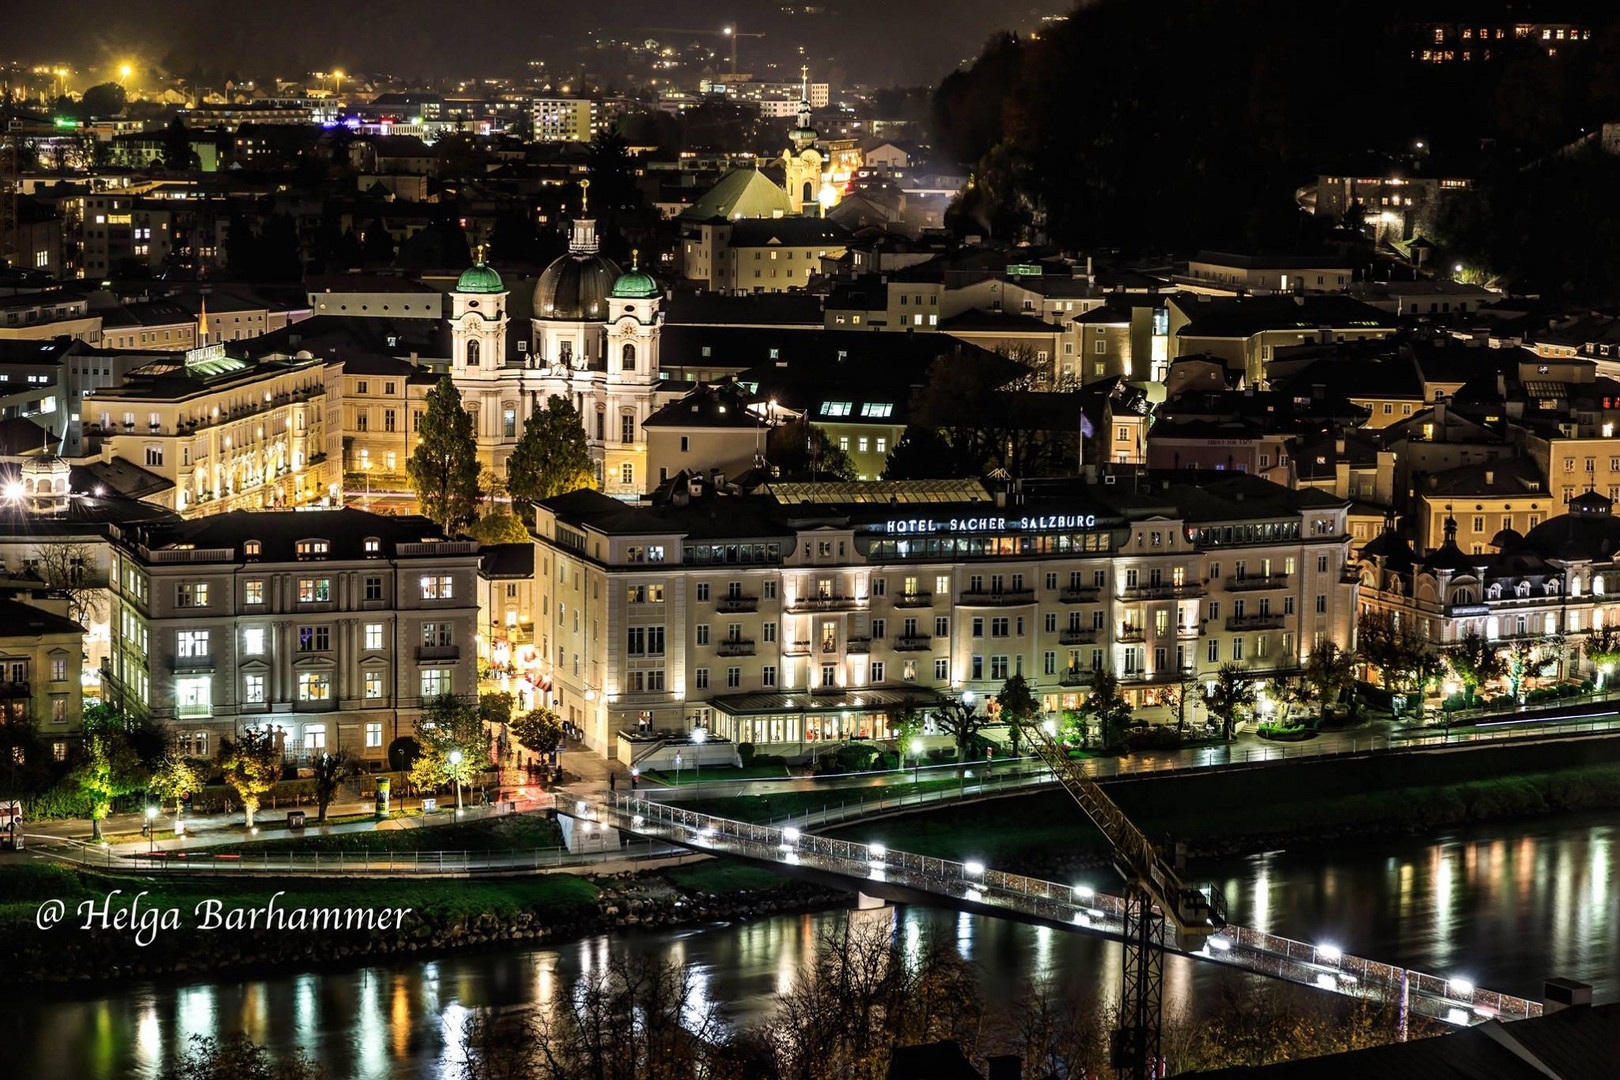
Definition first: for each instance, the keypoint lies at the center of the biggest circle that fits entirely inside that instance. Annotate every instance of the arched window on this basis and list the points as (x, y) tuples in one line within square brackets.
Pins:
[(629, 355), (472, 354), (627, 473), (809, 192)]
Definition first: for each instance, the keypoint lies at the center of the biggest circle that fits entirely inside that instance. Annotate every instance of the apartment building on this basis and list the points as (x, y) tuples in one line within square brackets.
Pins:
[(813, 613), (41, 657), (564, 119), (227, 433), (332, 627)]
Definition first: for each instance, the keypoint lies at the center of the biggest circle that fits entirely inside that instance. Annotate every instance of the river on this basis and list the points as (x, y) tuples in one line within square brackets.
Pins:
[(1503, 905)]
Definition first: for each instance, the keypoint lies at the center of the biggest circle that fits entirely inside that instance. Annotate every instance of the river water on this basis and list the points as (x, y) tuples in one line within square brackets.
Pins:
[(1503, 905)]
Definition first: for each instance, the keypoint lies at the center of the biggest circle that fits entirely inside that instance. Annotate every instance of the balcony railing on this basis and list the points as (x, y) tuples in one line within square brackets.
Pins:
[(1078, 637), (1168, 675), (1083, 594), (1265, 621), (733, 604), (1162, 591), (914, 599), (823, 603), (18, 689), (980, 598), (796, 648), (428, 653), (913, 643), (735, 647), (1256, 582), (858, 645), (1076, 678), (193, 663), (1131, 634)]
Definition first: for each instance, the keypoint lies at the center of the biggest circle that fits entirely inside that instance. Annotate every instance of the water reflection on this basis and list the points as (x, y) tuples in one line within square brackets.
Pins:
[(1505, 906)]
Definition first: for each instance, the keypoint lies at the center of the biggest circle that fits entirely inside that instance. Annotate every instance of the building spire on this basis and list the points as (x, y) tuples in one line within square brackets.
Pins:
[(202, 324), (584, 197), (804, 96)]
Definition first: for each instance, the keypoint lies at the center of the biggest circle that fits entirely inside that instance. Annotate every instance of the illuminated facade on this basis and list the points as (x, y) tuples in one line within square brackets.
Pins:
[(775, 620)]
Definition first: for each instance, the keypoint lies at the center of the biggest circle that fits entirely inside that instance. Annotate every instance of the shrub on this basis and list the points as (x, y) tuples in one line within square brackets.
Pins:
[(745, 753), (1159, 737)]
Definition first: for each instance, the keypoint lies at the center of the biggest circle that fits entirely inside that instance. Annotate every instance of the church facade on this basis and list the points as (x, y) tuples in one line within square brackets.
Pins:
[(593, 339)]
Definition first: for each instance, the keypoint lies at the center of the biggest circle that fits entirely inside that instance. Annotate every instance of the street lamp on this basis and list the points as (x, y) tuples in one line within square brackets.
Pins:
[(455, 762), (151, 830), (124, 72), (916, 760), (698, 735)]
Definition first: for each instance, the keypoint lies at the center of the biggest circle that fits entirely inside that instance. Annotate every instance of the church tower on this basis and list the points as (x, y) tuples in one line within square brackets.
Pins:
[(802, 162), (477, 323)]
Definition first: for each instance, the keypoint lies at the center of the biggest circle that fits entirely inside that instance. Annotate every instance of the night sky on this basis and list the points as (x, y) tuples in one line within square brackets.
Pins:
[(894, 40)]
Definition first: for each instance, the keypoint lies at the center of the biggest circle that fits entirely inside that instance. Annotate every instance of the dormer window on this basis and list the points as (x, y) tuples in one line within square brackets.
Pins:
[(373, 546), (313, 549), (252, 549)]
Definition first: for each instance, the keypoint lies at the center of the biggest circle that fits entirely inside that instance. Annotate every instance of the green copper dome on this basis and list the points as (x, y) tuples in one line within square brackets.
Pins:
[(634, 285), (480, 279)]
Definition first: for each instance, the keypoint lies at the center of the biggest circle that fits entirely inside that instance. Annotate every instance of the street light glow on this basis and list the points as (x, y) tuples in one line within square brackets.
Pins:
[(1329, 953), (973, 869), (1461, 987), (790, 835)]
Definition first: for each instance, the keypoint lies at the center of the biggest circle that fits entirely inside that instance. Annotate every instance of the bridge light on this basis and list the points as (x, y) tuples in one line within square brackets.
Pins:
[(1329, 954), (790, 835), (1461, 987), (1084, 892), (1458, 1017), (973, 869), (1219, 944), (876, 851), (637, 822)]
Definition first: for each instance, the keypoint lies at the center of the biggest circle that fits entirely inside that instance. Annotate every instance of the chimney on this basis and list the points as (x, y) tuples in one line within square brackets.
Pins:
[(1490, 477), (1011, 1066), (1091, 277), (1560, 994)]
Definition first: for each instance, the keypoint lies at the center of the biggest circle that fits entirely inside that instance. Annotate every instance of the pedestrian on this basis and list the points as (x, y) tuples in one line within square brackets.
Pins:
[(613, 781)]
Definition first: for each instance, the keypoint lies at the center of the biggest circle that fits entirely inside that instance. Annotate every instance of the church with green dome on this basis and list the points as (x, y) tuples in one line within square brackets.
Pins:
[(593, 339)]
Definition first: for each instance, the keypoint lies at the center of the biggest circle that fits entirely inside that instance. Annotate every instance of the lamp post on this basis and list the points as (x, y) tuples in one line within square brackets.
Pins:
[(455, 763), (151, 830), (916, 760), (698, 735)]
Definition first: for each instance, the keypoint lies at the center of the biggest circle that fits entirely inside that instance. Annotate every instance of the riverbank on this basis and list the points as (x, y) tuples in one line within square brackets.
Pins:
[(214, 931), (1215, 815)]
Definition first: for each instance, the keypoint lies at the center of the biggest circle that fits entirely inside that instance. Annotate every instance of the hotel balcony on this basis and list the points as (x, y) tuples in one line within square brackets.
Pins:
[(733, 604), (735, 647), (823, 603), (1085, 594), (1076, 678), (1130, 635), (1163, 591), (427, 654), (913, 643), (1078, 637), (1265, 621), (858, 645), (1256, 582), (914, 599), (192, 663), (796, 648), (980, 598)]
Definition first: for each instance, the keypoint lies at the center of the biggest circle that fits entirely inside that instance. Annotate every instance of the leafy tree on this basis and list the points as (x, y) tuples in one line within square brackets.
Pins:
[(907, 726), (613, 184), (376, 244), (173, 776), (962, 721), (1107, 707), (1329, 669), (538, 731), (552, 456), (800, 450), (1399, 652), (330, 771), (499, 527), (1475, 662), (177, 152), (443, 468), (238, 1057), (251, 765), (495, 708), (103, 99), (450, 724), (923, 454), (1019, 706), (108, 768), (1181, 693), (1233, 692), (1602, 648), (1529, 659)]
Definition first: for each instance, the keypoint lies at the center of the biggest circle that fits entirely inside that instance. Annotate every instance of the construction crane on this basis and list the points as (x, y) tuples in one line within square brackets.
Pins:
[(1154, 893), (730, 32)]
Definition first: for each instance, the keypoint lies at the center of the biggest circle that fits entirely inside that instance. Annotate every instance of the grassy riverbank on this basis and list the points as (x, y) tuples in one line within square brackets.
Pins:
[(1222, 813), (504, 833)]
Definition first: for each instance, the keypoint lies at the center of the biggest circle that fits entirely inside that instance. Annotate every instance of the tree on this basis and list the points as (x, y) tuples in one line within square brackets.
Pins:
[(1330, 670), (799, 449), (69, 570), (923, 454), (174, 776), (907, 725), (108, 768), (1475, 662), (177, 152), (330, 771), (1602, 648), (238, 1057), (1107, 707), (1233, 692), (1181, 693), (500, 527), (252, 765), (495, 709), (552, 456), (1018, 706), (443, 468), (103, 99), (450, 724), (538, 731), (1528, 659), (1399, 652), (960, 720), (377, 245)]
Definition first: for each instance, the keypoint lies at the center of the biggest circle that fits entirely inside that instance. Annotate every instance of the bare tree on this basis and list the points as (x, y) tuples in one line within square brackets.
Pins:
[(70, 570)]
